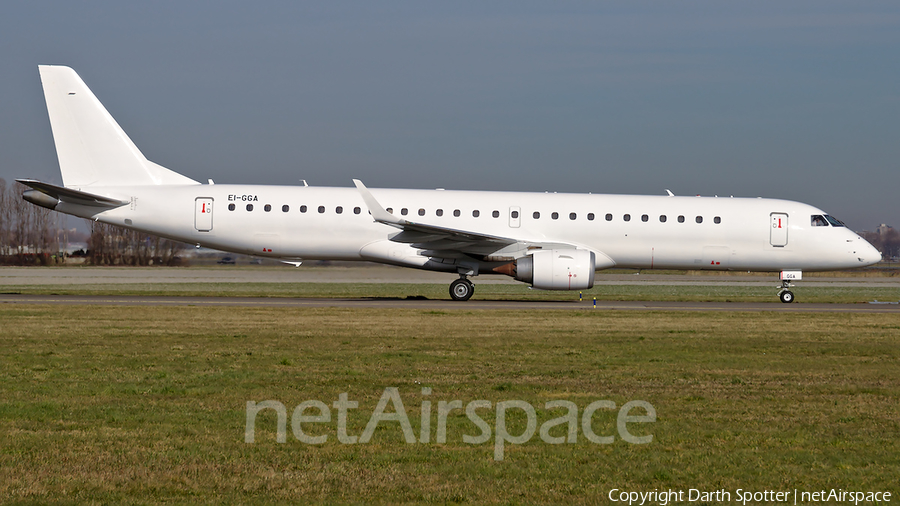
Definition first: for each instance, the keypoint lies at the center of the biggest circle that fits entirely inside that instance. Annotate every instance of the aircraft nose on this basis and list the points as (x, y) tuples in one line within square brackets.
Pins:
[(869, 255)]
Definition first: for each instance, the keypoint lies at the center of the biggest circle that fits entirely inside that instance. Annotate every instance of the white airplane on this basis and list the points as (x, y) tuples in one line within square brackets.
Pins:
[(551, 241)]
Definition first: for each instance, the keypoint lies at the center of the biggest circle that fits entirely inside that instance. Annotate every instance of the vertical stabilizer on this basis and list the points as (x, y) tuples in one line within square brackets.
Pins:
[(93, 149)]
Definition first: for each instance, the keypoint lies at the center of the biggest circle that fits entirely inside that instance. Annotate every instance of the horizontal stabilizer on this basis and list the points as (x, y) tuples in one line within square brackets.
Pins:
[(71, 196)]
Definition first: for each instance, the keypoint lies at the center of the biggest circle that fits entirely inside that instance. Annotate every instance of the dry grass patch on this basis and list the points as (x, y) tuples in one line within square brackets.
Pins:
[(147, 404)]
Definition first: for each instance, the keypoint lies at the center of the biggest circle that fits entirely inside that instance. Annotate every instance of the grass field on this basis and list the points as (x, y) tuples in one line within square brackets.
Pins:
[(148, 404)]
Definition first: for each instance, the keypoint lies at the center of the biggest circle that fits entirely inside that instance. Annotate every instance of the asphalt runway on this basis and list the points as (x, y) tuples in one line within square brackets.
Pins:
[(11, 278), (42, 276), (443, 305)]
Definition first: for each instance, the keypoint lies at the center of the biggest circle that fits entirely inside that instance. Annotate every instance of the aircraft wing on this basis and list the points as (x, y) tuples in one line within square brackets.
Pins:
[(434, 238), (440, 241), (71, 196)]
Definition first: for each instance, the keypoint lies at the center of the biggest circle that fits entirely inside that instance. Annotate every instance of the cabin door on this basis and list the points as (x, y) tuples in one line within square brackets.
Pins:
[(778, 232), (203, 214)]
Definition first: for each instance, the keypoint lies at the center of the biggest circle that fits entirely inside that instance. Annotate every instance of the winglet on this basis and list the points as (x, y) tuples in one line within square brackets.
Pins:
[(375, 208)]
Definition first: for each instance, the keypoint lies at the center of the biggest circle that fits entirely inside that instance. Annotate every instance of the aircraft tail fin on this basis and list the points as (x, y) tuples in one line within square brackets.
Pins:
[(93, 149)]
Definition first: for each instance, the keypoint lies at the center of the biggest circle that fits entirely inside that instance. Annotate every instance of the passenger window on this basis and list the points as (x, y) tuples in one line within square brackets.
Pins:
[(645, 218), (554, 215), (390, 210), (321, 209), (717, 220), (249, 207), (404, 211), (699, 219), (681, 219), (338, 210), (495, 214), (536, 215), (818, 221), (231, 207), (439, 212), (609, 217), (514, 214), (302, 209), (267, 207), (356, 210), (590, 216), (662, 218), (421, 212), (627, 217), (285, 208), (456, 213), (476, 213), (572, 216)]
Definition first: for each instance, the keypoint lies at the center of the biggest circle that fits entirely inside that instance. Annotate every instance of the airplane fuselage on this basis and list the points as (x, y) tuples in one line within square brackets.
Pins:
[(631, 231)]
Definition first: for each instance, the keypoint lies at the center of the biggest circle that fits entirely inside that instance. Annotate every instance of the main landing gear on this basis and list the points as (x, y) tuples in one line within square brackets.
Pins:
[(461, 289)]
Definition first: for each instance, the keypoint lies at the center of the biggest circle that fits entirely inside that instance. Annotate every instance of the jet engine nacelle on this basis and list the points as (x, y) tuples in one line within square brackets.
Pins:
[(557, 269)]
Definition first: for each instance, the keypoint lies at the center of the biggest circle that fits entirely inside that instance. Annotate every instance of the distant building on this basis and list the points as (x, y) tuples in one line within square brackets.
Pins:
[(883, 229)]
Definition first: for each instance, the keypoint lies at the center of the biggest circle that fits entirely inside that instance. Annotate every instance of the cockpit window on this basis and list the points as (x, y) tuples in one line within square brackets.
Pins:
[(834, 221), (819, 221)]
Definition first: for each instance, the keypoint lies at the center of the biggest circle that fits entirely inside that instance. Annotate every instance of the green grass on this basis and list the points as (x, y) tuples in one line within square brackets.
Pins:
[(713, 293), (147, 404)]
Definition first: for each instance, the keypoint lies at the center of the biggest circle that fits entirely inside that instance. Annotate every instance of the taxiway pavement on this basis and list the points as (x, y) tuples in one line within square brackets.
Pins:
[(443, 305)]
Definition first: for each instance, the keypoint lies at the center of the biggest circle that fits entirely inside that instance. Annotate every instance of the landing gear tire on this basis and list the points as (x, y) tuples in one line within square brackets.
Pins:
[(785, 293), (461, 289)]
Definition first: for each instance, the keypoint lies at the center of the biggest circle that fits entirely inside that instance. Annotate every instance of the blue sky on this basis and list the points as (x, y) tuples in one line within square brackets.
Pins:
[(797, 100)]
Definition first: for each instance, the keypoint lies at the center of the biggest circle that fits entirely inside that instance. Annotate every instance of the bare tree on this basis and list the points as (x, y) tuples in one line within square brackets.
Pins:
[(4, 220), (891, 244), (887, 242), (28, 234), (29, 231), (112, 245)]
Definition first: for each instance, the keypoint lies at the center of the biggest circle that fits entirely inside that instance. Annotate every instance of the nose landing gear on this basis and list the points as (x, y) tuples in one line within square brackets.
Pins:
[(786, 277), (784, 294)]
